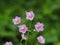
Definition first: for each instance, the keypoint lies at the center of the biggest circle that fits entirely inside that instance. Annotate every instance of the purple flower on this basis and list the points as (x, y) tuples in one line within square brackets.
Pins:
[(8, 43), (39, 27), (41, 39), (23, 28), (23, 37), (17, 20), (29, 15)]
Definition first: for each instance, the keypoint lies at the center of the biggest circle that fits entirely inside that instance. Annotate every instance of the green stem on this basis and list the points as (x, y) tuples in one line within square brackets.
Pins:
[(26, 42), (21, 41), (27, 35), (31, 31)]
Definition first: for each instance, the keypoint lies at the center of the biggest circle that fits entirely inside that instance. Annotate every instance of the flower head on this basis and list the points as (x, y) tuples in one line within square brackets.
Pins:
[(23, 37), (39, 27), (17, 20), (8, 43), (29, 15), (41, 39), (23, 28)]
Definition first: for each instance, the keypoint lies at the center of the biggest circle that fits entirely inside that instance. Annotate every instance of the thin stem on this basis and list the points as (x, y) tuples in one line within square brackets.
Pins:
[(21, 41), (26, 42), (27, 39), (31, 31)]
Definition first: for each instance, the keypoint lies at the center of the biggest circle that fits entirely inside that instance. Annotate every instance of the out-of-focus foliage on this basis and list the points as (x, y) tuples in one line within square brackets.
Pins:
[(46, 11)]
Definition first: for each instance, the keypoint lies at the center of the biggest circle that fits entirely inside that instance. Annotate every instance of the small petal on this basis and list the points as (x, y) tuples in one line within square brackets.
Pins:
[(23, 28), (30, 15), (8, 43), (39, 27), (41, 39), (23, 37), (17, 20)]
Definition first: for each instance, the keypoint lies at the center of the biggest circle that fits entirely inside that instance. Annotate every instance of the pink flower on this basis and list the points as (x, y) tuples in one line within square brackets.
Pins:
[(23, 28), (39, 27), (8, 43), (17, 20), (29, 15), (23, 37), (41, 39)]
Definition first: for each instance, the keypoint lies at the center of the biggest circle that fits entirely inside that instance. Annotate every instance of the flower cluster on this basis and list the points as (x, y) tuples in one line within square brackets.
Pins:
[(23, 28)]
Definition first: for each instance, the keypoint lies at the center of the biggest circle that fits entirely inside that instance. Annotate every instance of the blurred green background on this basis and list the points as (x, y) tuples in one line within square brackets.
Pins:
[(46, 11)]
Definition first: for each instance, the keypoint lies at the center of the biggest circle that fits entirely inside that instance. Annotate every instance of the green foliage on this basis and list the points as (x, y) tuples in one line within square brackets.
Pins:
[(46, 11)]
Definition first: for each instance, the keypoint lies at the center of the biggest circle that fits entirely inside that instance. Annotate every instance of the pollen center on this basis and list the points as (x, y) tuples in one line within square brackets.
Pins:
[(23, 28), (30, 15), (38, 27), (17, 20)]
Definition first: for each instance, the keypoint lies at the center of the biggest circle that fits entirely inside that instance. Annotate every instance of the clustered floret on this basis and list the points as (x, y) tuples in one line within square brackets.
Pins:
[(23, 28)]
